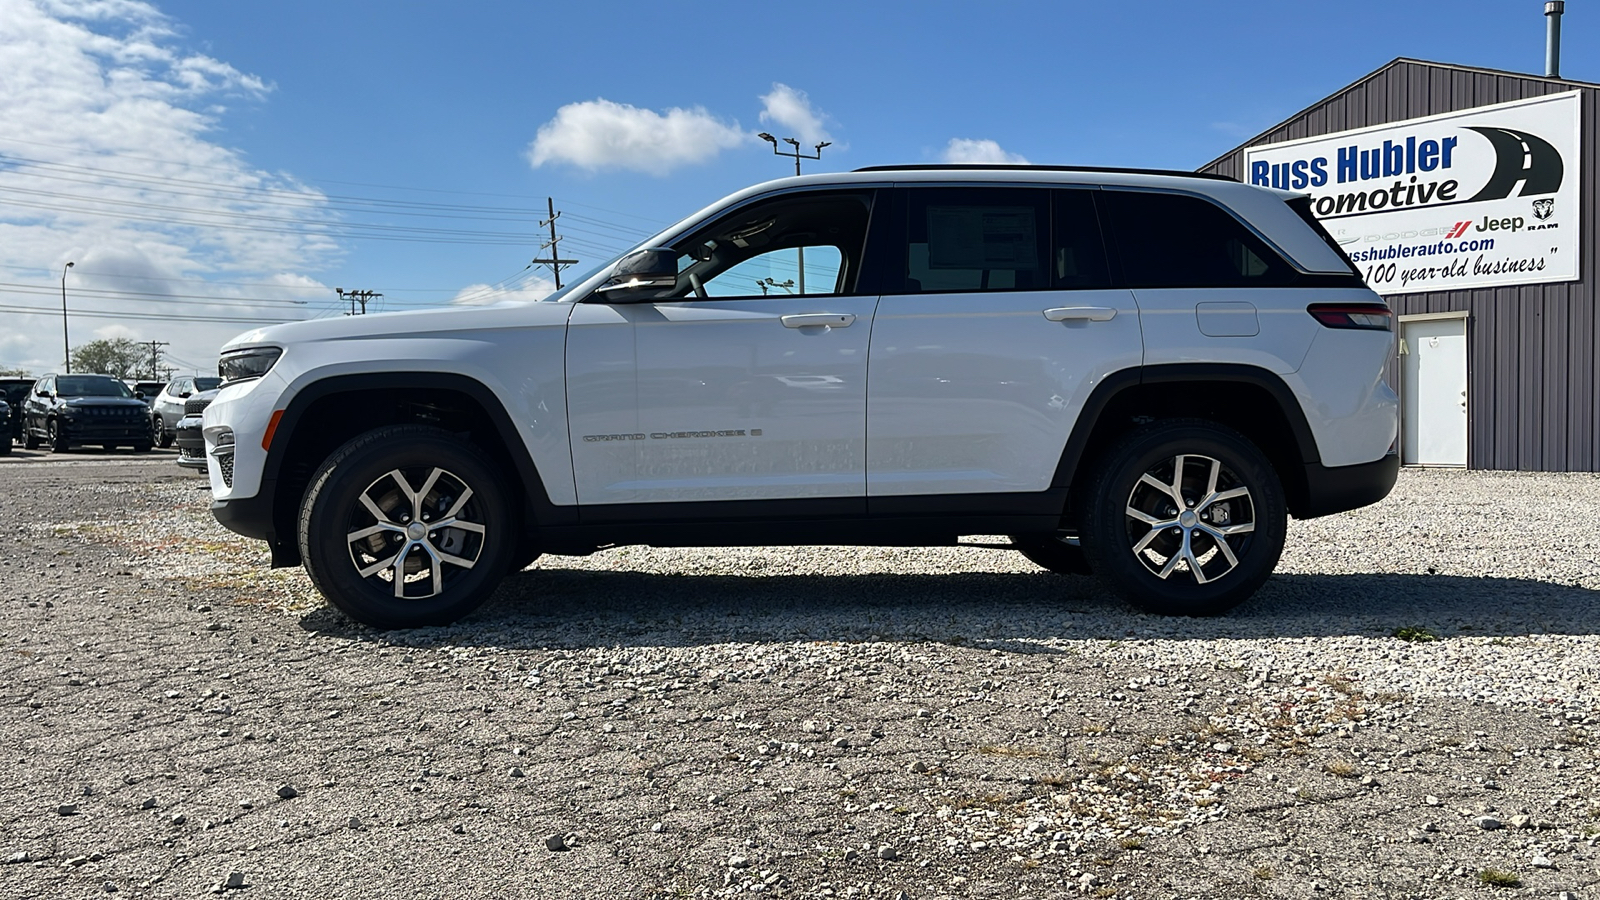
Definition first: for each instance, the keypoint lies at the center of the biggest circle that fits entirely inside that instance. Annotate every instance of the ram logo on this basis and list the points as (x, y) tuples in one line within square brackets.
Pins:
[(1544, 209)]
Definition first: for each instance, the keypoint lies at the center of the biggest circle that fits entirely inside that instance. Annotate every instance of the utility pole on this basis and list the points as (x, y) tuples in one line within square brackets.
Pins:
[(155, 356), (66, 345), (555, 262), (362, 297), (796, 155)]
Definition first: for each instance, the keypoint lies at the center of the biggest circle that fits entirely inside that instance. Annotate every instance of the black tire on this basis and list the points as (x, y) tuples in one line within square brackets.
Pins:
[(5, 447), (108, 447), (1052, 553), (30, 441), (142, 447), (58, 437), (439, 593), (1131, 552), (163, 437)]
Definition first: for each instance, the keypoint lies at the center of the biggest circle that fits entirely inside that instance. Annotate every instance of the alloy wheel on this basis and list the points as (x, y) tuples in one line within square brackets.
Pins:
[(413, 531), (1190, 517)]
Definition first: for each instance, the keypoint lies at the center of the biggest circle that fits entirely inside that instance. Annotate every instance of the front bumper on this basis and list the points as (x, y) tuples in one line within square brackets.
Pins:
[(191, 443), (97, 433), (1336, 489)]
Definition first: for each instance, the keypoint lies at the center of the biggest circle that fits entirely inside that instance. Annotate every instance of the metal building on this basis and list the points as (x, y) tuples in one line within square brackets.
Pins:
[(1522, 347)]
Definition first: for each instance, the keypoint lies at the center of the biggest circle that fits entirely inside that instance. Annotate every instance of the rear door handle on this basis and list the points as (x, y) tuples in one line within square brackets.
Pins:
[(1080, 313), (815, 320)]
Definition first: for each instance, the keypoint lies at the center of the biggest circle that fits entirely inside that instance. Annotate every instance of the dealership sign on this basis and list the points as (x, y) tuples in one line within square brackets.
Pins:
[(1476, 198)]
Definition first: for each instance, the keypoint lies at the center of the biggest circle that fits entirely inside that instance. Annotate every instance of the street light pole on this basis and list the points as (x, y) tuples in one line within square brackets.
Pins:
[(66, 345), (796, 155)]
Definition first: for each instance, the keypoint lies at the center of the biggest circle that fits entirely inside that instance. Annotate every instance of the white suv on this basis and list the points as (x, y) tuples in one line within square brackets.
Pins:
[(1135, 374)]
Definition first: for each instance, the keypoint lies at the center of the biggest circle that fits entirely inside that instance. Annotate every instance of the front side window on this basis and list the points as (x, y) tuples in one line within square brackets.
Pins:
[(1177, 241), (809, 243)]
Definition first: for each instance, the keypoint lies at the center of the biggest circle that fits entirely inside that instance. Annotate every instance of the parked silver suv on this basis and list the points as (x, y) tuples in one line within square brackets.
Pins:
[(1138, 374)]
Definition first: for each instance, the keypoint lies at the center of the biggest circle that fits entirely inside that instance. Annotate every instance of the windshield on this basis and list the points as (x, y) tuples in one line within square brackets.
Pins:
[(207, 384), (90, 386)]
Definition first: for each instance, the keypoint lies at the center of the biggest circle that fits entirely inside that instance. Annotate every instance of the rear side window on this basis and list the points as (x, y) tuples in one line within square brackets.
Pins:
[(1178, 241), (980, 239), (976, 239)]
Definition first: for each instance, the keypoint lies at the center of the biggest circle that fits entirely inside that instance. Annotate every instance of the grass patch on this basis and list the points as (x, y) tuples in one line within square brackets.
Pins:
[(1498, 878), (1415, 634), (1342, 768), (1131, 843), (1264, 873)]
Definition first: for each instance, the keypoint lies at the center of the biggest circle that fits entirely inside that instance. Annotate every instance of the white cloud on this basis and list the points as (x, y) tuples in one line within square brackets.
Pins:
[(790, 109), (534, 288), (966, 150), (107, 158), (599, 134)]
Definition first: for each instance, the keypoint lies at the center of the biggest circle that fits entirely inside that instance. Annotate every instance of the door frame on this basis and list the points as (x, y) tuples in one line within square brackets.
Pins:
[(1400, 376)]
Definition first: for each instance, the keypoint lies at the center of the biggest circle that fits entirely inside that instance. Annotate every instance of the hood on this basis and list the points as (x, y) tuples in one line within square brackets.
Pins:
[(76, 402), (510, 314)]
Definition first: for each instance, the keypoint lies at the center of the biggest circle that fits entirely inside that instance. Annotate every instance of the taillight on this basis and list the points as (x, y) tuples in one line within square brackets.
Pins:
[(1361, 316)]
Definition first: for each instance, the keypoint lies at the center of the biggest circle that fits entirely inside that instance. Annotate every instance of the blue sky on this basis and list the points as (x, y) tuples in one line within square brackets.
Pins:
[(212, 165)]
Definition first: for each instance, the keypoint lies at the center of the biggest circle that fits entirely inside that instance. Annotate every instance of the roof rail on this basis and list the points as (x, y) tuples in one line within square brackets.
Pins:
[(1012, 167)]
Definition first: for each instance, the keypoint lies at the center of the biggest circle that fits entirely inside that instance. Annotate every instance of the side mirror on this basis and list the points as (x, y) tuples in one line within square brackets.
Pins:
[(184, 395), (46, 394), (138, 395), (641, 275)]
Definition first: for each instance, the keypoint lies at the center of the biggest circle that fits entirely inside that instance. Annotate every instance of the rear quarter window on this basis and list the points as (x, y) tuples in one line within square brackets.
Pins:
[(1177, 241)]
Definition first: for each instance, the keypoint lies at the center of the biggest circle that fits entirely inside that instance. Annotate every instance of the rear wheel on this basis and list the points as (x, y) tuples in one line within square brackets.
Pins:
[(1184, 518), (30, 441), (407, 526)]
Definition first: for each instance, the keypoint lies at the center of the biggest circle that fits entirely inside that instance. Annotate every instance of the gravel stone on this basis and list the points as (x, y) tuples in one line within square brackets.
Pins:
[(556, 843), (67, 809), (888, 853), (287, 792), (1488, 823)]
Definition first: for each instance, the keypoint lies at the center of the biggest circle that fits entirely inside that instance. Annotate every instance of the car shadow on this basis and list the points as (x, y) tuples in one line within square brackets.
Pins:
[(557, 608)]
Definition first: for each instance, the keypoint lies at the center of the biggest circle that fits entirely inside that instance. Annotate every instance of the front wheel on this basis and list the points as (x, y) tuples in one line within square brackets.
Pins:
[(1184, 517), (407, 526), (58, 437), (30, 441), (163, 437)]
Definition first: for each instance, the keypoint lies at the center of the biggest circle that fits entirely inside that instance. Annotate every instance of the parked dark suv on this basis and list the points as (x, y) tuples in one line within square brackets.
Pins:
[(14, 391), (5, 426), (85, 409)]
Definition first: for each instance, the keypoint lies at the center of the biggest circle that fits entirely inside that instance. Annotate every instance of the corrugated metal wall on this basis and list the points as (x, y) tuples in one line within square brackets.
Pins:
[(1533, 384)]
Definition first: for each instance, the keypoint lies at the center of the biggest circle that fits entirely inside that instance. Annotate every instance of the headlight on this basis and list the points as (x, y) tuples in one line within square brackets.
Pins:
[(255, 362)]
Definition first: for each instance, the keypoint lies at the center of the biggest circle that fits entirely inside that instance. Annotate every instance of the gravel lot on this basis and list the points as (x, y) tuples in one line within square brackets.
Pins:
[(817, 722)]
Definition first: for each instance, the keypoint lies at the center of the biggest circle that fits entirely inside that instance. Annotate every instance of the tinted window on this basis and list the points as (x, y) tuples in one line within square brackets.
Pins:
[(207, 384), (1077, 255), (975, 239), (1172, 240)]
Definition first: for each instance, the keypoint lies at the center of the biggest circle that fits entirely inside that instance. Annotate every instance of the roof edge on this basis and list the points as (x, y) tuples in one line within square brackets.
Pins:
[(1379, 71)]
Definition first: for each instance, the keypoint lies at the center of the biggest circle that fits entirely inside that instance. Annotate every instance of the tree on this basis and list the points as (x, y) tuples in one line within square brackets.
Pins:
[(119, 357), (14, 372)]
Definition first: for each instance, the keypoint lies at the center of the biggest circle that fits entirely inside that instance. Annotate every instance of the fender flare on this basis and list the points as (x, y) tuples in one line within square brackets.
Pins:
[(1130, 379)]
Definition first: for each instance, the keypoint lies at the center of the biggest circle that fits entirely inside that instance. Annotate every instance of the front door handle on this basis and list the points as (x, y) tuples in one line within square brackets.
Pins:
[(1080, 313), (816, 320)]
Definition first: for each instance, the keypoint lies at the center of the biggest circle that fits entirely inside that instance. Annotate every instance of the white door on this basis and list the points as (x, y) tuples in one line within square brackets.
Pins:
[(740, 384), (1435, 375), (985, 351)]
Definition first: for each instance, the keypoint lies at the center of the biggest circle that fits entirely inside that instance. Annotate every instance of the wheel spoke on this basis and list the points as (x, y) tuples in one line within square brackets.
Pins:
[(1146, 518), (455, 508), (473, 527), (454, 560), (1241, 528), (427, 488), (377, 567), (1194, 564), (1229, 494), (1145, 541), (1211, 479), (1222, 545), (372, 507), (371, 530)]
